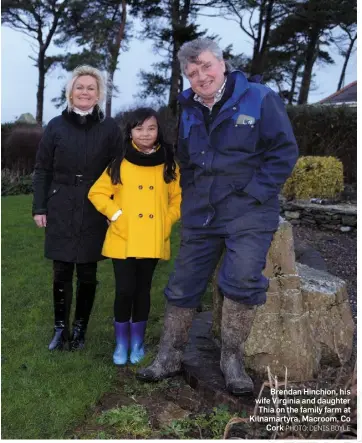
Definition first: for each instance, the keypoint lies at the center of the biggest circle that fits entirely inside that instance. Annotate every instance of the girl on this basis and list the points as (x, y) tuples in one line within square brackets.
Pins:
[(140, 194)]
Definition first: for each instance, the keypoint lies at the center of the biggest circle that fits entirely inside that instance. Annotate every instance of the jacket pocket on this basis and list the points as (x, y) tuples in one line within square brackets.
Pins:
[(54, 203), (119, 227), (246, 199), (244, 137), (53, 190)]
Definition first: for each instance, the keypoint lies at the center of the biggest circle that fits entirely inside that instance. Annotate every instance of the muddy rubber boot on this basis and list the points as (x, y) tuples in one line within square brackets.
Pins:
[(86, 292), (167, 363), (62, 298), (237, 320), (137, 330)]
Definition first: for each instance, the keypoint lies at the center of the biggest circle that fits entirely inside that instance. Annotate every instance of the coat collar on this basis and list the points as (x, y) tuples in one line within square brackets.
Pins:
[(139, 158), (241, 85), (85, 121)]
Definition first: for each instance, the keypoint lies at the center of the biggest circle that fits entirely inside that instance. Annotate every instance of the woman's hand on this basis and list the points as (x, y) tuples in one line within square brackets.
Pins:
[(40, 220)]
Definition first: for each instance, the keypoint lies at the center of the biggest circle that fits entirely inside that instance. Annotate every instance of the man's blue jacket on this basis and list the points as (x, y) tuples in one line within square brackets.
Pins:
[(241, 163)]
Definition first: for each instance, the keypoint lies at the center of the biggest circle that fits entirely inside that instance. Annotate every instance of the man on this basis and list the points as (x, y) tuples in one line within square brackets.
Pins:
[(236, 149)]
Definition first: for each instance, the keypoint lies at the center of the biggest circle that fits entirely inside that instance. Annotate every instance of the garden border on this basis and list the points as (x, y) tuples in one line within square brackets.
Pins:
[(334, 217)]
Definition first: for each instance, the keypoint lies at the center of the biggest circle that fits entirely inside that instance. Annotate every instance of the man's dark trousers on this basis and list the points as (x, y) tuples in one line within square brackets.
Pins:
[(246, 240)]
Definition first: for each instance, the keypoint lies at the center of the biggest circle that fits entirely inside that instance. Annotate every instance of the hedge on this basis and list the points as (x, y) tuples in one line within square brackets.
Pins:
[(19, 147), (327, 131)]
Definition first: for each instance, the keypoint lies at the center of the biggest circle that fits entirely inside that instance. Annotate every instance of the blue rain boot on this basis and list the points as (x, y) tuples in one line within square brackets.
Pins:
[(138, 330), (121, 331)]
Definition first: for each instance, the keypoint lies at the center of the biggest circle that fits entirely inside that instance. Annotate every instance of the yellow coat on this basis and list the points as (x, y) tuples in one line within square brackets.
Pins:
[(150, 207)]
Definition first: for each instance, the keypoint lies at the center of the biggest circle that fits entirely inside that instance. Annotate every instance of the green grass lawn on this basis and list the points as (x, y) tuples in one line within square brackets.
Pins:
[(45, 394)]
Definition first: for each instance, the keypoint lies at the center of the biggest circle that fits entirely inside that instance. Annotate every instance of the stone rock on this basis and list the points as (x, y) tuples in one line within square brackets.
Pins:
[(345, 228), (341, 208), (285, 283), (292, 214), (280, 328), (326, 301), (281, 257), (322, 217), (309, 220), (26, 118), (305, 321)]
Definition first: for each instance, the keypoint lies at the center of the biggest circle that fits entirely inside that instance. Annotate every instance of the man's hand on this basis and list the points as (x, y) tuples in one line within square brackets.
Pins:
[(40, 220)]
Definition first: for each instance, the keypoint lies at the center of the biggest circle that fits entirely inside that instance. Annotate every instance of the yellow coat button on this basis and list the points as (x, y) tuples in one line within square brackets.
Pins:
[(151, 215), (140, 187), (140, 215), (151, 187)]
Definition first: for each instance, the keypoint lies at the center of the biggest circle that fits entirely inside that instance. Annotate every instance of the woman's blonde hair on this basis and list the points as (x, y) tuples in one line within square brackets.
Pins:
[(86, 70)]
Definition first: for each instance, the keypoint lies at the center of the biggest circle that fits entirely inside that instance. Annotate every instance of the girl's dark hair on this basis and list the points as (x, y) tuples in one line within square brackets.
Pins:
[(136, 118)]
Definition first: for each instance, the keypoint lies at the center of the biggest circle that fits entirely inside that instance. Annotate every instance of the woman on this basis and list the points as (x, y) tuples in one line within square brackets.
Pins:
[(146, 200), (74, 150)]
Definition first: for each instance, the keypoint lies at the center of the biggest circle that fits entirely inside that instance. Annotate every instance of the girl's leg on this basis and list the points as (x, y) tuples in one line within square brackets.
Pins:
[(141, 307), (125, 277)]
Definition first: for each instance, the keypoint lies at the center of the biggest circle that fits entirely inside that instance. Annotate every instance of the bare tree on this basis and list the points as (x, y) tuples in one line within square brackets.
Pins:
[(39, 19), (351, 32), (114, 48), (98, 28), (257, 19), (169, 23)]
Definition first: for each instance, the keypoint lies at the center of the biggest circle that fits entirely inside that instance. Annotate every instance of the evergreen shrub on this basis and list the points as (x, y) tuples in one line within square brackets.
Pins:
[(315, 177)]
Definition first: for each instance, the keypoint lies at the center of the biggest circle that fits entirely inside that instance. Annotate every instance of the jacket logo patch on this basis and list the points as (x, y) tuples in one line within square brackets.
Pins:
[(245, 120)]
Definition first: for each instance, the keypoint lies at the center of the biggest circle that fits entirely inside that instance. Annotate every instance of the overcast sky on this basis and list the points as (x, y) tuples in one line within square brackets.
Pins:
[(19, 75)]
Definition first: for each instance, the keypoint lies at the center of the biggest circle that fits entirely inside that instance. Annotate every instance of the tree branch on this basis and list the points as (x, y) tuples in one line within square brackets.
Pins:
[(13, 19), (57, 15), (250, 25), (231, 5)]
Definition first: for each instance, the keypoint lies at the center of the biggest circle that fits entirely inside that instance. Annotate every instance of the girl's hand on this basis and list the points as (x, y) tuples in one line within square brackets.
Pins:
[(40, 220)]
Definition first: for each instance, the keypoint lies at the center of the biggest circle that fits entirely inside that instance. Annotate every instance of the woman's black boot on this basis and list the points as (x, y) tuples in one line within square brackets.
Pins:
[(62, 296), (85, 297)]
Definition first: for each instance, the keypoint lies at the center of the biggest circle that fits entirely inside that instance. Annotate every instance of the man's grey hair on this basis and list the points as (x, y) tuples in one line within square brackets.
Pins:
[(86, 70), (190, 51)]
